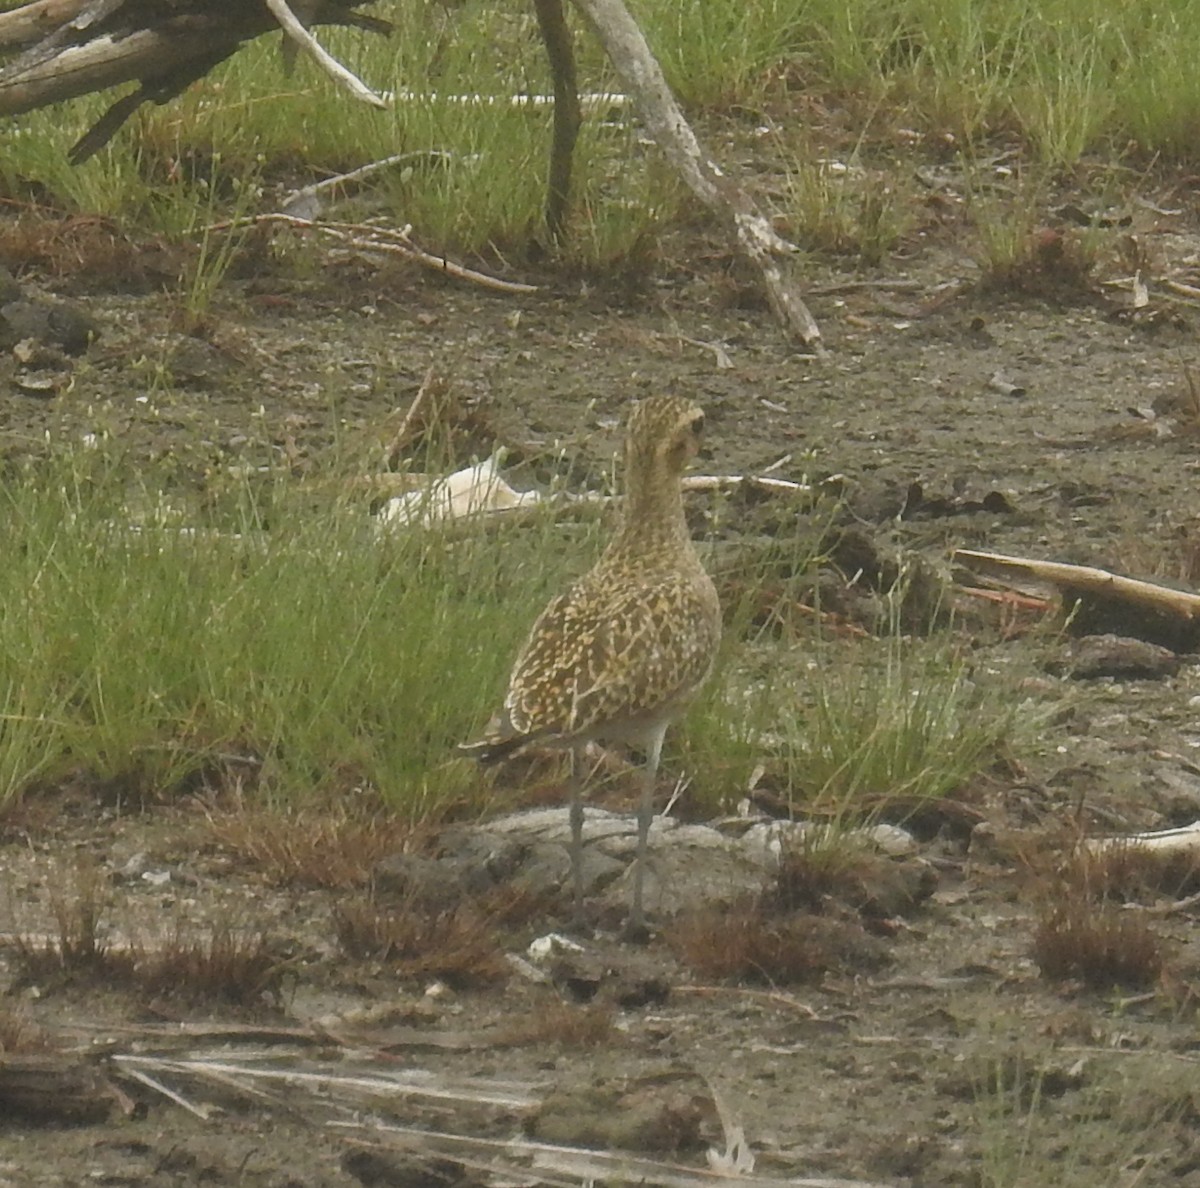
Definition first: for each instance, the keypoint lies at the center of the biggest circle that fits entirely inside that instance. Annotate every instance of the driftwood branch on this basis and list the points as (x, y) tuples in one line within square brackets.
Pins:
[(367, 238), (642, 77), (292, 28), (1127, 605), (73, 48), (33, 22)]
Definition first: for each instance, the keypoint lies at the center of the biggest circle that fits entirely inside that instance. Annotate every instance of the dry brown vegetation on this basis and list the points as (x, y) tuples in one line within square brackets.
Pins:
[(1089, 926), (459, 946), (320, 847), (750, 942), (566, 1025)]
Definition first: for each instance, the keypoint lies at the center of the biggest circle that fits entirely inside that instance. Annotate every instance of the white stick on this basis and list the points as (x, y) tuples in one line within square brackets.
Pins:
[(302, 37)]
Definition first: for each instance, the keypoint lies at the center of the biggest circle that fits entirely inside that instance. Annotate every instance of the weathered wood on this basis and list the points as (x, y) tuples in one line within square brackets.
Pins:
[(109, 61), (567, 115), (754, 236), (1099, 601), (163, 44), (166, 45), (32, 22)]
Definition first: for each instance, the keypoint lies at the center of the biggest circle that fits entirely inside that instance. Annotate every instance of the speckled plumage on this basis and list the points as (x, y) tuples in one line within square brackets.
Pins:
[(618, 654)]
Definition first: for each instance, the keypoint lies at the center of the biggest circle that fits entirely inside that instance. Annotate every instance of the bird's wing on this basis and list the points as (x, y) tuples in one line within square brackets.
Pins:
[(598, 655)]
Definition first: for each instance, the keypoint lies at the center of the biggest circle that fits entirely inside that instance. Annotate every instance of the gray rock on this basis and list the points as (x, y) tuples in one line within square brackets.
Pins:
[(53, 323), (1120, 657)]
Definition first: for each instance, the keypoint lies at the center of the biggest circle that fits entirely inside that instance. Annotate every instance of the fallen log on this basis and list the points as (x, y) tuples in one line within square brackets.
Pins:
[(76, 47), (72, 48), (1097, 600)]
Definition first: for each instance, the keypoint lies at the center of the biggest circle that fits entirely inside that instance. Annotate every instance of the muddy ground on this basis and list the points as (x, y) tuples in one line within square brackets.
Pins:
[(954, 1062)]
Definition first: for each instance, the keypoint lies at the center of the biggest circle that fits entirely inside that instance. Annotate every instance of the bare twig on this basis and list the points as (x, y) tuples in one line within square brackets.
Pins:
[(305, 202), (367, 238), (434, 382), (642, 78), (303, 38), (204, 1113)]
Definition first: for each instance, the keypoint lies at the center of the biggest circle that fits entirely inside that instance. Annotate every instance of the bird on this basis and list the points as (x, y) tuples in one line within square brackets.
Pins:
[(618, 654)]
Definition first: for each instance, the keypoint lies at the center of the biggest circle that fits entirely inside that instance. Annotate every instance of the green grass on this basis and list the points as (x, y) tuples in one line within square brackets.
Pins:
[(145, 643), (1063, 78), (841, 726), (1109, 1123), (141, 649)]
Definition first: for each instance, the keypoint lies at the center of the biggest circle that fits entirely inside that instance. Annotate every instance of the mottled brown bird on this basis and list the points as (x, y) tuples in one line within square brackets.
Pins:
[(617, 655)]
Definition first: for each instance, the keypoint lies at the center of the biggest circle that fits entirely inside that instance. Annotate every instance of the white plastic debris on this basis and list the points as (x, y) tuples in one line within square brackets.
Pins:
[(468, 492)]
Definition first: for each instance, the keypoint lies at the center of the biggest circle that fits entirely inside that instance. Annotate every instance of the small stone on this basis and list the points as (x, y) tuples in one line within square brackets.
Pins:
[(58, 324), (1120, 657)]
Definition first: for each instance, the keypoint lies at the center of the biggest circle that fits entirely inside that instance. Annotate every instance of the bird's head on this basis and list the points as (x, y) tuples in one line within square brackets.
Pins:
[(664, 431)]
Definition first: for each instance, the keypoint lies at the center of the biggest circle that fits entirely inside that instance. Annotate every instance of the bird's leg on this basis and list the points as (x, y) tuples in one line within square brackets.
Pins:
[(636, 926), (576, 817)]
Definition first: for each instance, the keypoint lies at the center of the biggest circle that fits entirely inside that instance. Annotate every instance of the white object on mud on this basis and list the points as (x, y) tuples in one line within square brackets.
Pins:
[(468, 492)]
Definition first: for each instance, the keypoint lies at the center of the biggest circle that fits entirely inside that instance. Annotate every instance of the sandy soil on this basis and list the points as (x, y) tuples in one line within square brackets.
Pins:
[(955, 1063)]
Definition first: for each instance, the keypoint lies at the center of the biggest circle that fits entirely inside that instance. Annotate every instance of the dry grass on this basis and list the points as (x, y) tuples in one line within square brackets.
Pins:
[(458, 945), (1100, 945), (1085, 929), (1132, 873), (747, 942), (89, 252), (336, 849), (20, 1035), (853, 877), (78, 904), (565, 1025), (1047, 263), (222, 962)]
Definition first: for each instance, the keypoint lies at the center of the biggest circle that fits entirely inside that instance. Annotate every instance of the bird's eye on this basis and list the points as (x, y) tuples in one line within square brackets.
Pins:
[(698, 424)]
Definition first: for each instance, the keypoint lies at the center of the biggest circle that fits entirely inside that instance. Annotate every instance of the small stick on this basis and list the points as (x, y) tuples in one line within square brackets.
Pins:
[(205, 1115), (303, 38), (433, 380), (366, 238), (304, 195)]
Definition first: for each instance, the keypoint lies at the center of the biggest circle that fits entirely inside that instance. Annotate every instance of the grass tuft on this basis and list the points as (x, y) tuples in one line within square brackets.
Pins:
[(155, 643), (1101, 945), (749, 942), (301, 847), (458, 946), (565, 1025)]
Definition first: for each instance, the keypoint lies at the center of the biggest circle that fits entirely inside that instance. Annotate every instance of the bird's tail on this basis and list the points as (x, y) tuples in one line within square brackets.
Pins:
[(492, 748)]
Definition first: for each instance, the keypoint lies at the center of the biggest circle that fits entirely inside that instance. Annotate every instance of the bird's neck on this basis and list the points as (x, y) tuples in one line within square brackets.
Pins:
[(652, 519)]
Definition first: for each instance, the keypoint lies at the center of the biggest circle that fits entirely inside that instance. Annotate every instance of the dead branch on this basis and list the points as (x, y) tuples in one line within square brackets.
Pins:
[(32, 22), (567, 114), (642, 77), (433, 385), (309, 201), (1146, 606), (1165, 843), (369, 238), (306, 41), (164, 46)]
